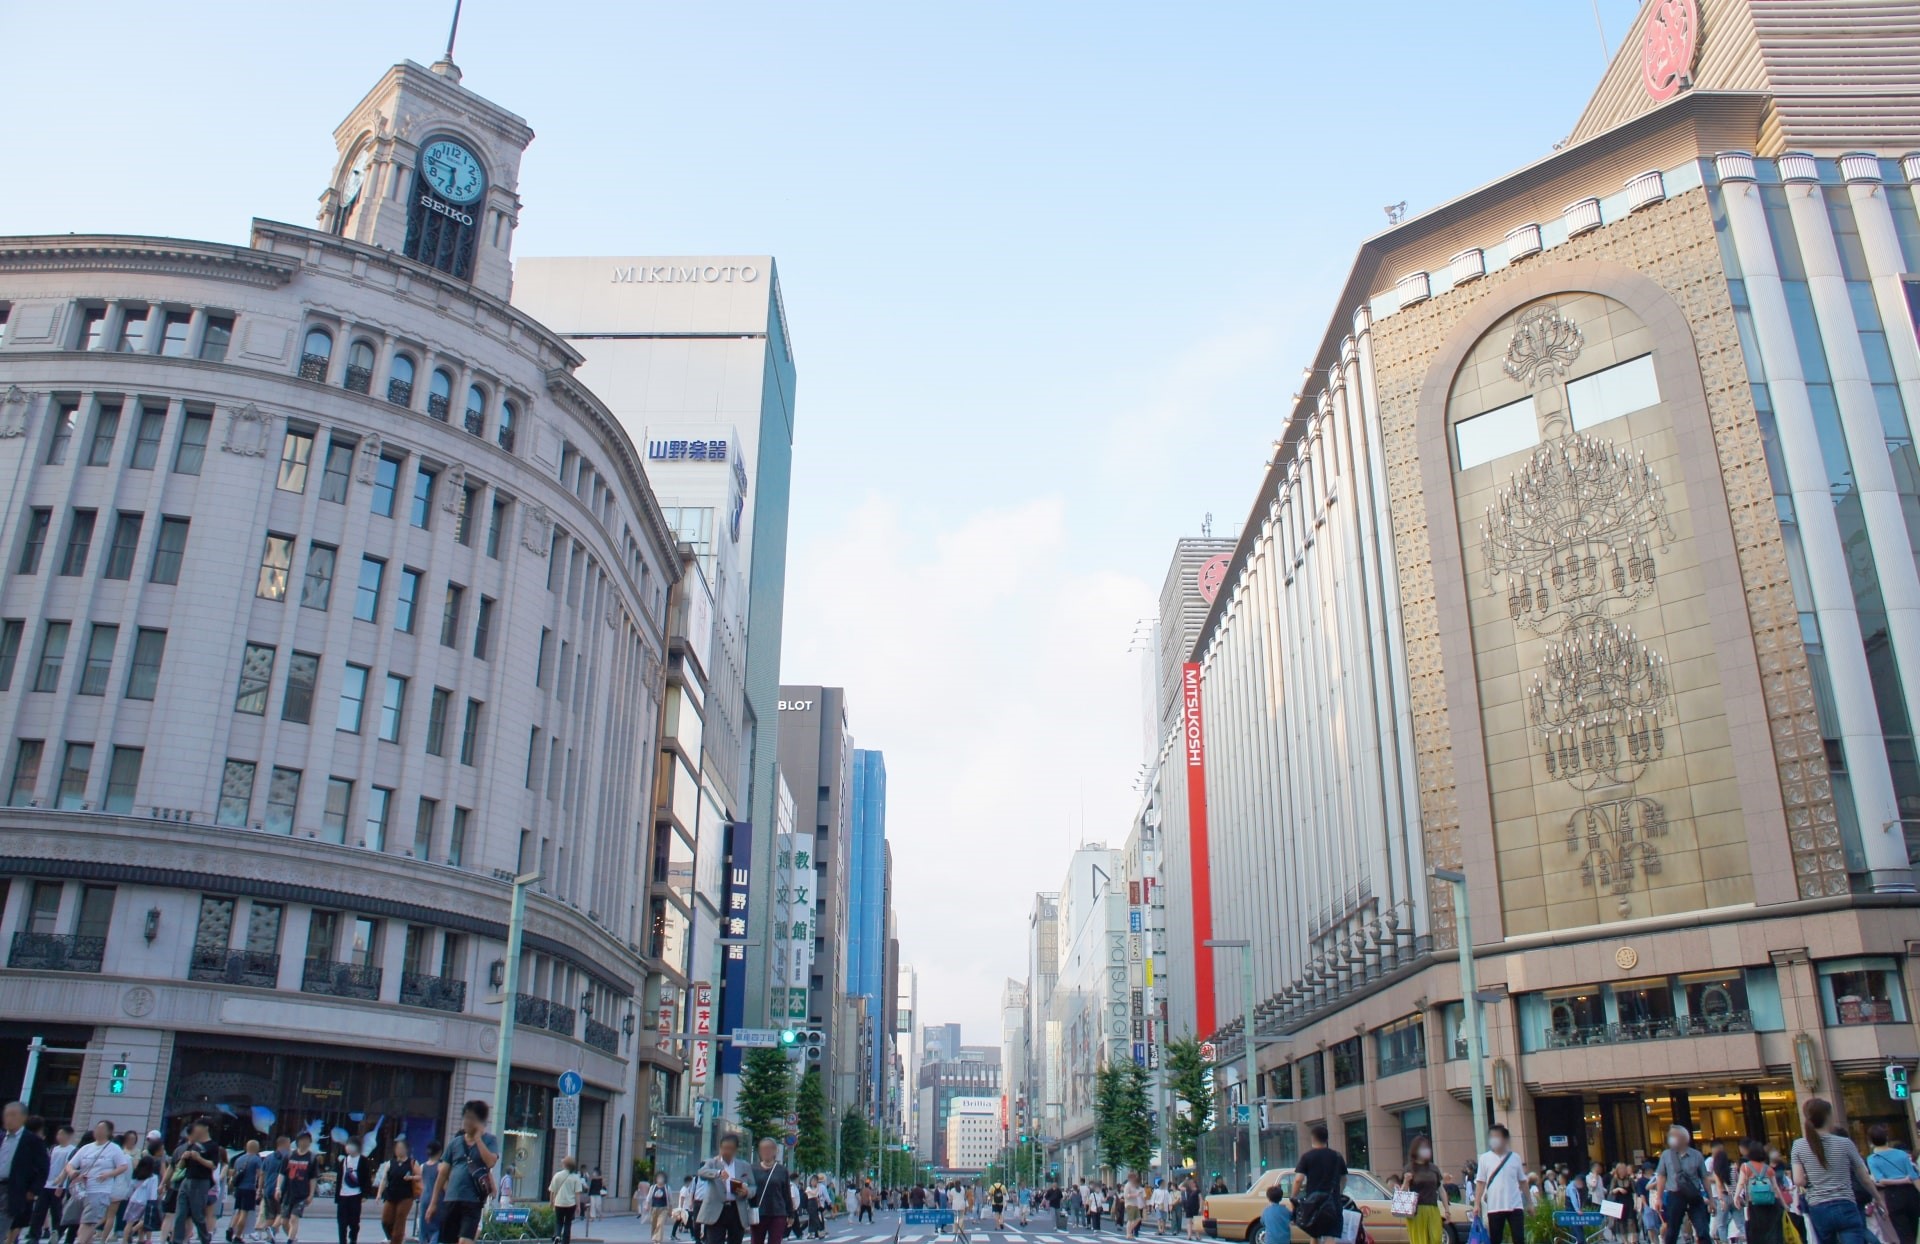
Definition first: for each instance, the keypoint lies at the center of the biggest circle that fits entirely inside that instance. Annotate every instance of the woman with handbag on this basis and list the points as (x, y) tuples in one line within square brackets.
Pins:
[(773, 1207), (1418, 1200), (1825, 1166), (397, 1184), (1899, 1183)]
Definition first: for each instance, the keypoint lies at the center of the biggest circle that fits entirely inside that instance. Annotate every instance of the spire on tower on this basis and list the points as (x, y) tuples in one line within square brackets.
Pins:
[(445, 66)]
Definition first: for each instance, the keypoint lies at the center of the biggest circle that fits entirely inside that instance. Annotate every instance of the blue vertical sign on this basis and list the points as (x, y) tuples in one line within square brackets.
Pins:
[(733, 923)]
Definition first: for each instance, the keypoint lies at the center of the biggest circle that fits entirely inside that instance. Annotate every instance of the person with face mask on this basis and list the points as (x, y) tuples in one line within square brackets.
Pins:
[(1499, 1183), (350, 1193), (1422, 1178), (1680, 1186)]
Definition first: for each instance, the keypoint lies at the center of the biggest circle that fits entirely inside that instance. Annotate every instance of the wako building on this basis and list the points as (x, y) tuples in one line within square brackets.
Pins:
[(331, 600), (1588, 567)]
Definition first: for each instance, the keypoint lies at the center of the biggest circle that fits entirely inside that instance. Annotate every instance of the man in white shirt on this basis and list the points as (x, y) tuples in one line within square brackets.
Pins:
[(1499, 1184)]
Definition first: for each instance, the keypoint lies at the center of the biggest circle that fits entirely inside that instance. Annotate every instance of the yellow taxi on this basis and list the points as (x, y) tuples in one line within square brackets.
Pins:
[(1236, 1215)]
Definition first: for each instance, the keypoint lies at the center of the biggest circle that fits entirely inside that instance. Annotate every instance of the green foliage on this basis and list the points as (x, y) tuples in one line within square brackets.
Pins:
[(897, 1167), (1028, 1167), (856, 1143), (1540, 1221), (766, 1093), (538, 1226), (1122, 1127), (1191, 1079), (813, 1150)]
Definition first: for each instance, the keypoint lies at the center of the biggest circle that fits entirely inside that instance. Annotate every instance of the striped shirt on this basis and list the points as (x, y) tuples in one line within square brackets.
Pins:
[(1831, 1180)]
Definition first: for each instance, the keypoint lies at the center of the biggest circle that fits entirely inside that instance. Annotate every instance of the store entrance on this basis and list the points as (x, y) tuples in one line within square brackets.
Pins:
[(1632, 1127)]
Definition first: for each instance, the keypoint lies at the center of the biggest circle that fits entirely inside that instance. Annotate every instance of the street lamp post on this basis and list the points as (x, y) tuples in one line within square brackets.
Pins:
[(707, 1112), (1470, 996), (510, 994), (1245, 948)]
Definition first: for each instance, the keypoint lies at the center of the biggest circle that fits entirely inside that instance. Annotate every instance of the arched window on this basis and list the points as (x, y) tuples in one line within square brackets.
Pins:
[(508, 417), (315, 354), (400, 380), (440, 394), (359, 375), (476, 411)]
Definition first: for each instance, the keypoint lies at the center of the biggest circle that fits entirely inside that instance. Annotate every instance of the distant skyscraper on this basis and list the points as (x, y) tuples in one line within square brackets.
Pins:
[(867, 918)]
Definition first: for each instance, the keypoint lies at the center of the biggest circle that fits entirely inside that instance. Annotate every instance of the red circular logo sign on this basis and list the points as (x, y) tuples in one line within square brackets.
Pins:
[(1667, 47), (1212, 573)]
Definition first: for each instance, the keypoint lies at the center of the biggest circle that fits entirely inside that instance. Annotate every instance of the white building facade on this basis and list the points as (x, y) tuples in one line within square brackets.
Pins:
[(295, 534)]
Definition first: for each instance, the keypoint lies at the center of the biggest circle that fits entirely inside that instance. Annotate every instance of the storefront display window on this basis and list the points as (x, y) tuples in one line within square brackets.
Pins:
[(1866, 1102), (525, 1151), (1716, 1001), (1862, 991), (1645, 1008)]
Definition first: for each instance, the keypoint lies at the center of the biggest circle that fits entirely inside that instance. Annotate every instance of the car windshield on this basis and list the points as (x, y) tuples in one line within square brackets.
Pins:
[(1362, 1188)]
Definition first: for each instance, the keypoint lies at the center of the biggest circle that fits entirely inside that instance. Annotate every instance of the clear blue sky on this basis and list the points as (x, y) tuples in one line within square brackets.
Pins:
[(1051, 270)]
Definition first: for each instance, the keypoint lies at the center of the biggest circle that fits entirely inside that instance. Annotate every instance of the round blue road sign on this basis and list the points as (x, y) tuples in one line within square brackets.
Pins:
[(570, 1083)]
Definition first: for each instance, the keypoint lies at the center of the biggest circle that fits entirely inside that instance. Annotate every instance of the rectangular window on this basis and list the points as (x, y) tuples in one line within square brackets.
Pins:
[(66, 421), (26, 772), (303, 672), (95, 674), (133, 330), (470, 732), (483, 629), (173, 334), (53, 655), (495, 525), (43, 908), (126, 541), (296, 457), (323, 932), (94, 916), (1311, 1076), (1862, 991), (263, 927), (386, 477), (191, 453), (339, 807), (143, 673), (283, 800), (421, 515), (171, 549), (1349, 1065), (365, 951), (219, 335), (316, 591), (379, 806), (146, 438), (123, 779), (338, 471), (437, 721), (12, 631), (1496, 433), (1609, 394), (450, 616), (39, 522), (73, 774), (457, 837), (469, 515), (393, 708), (366, 601), (106, 426), (423, 819), (214, 933), (73, 560), (276, 562), (256, 678), (236, 793), (353, 699), (542, 656), (405, 601), (533, 757), (93, 328)]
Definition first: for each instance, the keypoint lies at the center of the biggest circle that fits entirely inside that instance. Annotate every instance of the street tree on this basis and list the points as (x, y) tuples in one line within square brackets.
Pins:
[(1122, 1126), (766, 1092), (813, 1150), (1190, 1077), (856, 1143)]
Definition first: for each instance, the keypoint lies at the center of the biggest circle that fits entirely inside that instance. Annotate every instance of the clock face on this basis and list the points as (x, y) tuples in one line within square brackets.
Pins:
[(452, 170)]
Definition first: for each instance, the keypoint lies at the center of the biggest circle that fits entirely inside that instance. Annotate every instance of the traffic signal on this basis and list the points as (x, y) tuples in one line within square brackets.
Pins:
[(816, 1045), (1897, 1081), (789, 1038), (117, 1082)]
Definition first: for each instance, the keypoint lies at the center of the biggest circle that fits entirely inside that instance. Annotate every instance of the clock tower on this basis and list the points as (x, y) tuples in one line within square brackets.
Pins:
[(429, 169)]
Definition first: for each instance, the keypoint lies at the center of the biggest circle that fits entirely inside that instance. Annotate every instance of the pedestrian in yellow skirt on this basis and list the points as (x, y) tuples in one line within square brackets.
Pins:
[(1422, 1178)]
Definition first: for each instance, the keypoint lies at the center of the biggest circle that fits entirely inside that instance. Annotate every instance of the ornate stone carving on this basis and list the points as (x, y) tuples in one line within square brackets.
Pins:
[(536, 530), (138, 1001), (454, 495), (247, 428), (13, 413), (369, 457), (1544, 345)]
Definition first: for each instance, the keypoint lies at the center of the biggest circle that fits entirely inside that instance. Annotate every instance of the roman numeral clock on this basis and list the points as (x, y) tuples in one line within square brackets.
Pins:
[(443, 212)]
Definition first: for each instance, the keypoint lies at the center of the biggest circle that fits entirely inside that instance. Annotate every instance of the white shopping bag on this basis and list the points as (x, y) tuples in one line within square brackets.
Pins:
[(1613, 1209), (1349, 1226)]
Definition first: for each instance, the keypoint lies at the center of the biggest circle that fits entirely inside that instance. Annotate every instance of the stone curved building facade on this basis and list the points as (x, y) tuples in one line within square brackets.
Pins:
[(331, 600)]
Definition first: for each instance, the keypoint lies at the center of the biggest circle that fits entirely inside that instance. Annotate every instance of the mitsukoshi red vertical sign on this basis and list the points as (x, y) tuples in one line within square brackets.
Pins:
[(1194, 734)]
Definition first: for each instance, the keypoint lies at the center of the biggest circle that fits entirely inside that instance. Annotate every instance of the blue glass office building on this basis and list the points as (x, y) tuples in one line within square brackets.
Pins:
[(867, 916)]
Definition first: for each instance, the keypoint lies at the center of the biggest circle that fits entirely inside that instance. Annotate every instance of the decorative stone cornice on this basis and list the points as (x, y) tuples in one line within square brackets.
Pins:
[(165, 256), (566, 389)]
